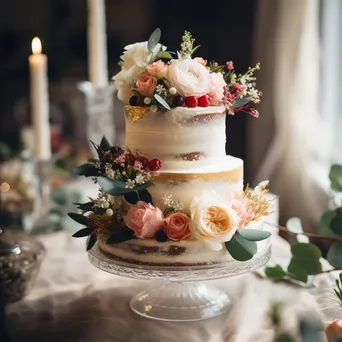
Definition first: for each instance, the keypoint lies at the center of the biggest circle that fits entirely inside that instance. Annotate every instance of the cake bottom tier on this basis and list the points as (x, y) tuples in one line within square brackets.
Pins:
[(170, 253)]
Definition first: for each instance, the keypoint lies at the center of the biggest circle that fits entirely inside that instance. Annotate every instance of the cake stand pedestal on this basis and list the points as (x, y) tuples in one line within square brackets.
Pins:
[(178, 294)]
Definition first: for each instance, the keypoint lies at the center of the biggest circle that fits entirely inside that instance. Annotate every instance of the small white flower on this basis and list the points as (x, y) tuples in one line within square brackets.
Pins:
[(140, 179), (167, 198), (130, 184), (110, 173), (160, 89)]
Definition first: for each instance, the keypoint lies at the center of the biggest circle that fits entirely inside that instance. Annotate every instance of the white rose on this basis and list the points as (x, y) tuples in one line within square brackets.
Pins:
[(189, 77), (213, 221), (134, 61)]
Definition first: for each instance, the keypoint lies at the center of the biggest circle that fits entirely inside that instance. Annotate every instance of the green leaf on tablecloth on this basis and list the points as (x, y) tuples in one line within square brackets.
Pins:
[(133, 197), (305, 260), (324, 226), (79, 218), (334, 255), (335, 177), (240, 248), (336, 222), (91, 242), (153, 40), (239, 102), (275, 272), (105, 144), (86, 169), (254, 234), (161, 101), (83, 232), (85, 206), (121, 237)]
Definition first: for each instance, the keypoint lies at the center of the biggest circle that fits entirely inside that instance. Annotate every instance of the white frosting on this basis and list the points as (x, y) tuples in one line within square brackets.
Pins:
[(196, 252), (170, 134)]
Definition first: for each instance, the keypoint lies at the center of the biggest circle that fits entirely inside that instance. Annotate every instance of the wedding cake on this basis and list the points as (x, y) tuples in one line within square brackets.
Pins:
[(172, 196)]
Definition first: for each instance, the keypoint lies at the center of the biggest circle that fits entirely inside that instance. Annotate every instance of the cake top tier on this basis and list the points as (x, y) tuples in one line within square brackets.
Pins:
[(158, 79)]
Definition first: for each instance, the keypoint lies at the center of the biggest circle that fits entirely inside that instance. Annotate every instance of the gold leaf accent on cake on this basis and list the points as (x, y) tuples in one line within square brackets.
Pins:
[(135, 113), (233, 176), (192, 156)]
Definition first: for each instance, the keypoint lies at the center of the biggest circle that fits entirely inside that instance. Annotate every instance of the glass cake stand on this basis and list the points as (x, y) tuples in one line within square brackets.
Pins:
[(178, 294)]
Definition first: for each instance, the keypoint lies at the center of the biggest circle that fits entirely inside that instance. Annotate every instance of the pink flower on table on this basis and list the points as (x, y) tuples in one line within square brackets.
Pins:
[(246, 215), (218, 86), (144, 219), (201, 60), (157, 69), (177, 226), (146, 84), (230, 65)]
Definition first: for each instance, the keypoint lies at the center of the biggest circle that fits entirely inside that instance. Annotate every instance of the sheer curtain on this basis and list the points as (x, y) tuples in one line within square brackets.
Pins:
[(291, 143)]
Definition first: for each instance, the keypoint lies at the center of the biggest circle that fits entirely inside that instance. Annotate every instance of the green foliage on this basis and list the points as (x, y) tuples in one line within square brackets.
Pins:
[(161, 101), (338, 290), (85, 206), (126, 235), (254, 234), (335, 177), (334, 255), (83, 232), (79, 218), (240, 248), (105, 144), (91, 242), (241, 102), (164, 55), (214, 68), (153, 40), (325, 223), (336, 222), (133, 197), (275, 272), (86, 169)]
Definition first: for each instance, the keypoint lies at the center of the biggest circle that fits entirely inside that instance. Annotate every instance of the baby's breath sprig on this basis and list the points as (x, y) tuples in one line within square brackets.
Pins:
[(187, 45)]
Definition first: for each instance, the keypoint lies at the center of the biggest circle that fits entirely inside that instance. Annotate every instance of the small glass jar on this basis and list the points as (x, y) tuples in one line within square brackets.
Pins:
[(20, 259)]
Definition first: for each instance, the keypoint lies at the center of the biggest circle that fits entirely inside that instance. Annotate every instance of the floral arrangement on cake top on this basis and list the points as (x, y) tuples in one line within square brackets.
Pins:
[(124, 208), (153, 78)]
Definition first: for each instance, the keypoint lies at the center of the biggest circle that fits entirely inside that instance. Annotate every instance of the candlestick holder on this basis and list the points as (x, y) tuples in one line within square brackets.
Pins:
[(99, 102)]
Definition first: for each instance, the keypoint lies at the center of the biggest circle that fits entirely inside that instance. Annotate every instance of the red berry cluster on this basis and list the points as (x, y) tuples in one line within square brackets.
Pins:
[(192, 101), (153, 164)]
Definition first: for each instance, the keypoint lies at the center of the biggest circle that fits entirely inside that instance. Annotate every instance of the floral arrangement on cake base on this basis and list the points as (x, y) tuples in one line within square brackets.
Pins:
[(124, 208), (154, 79)]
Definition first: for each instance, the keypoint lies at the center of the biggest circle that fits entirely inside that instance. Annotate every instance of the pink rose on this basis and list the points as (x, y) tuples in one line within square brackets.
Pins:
[(218, 83), (230, 65), (246, 215), (200, 60), (189, 77), (146, 84), (157, 69), (177, 226), (144, 219)]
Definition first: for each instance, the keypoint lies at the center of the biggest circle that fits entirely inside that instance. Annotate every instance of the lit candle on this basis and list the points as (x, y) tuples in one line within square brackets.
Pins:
[(39, 101), (97, 43)]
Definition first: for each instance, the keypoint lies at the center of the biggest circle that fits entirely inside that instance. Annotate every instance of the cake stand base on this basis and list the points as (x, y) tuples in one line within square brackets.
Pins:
[(180, 302)]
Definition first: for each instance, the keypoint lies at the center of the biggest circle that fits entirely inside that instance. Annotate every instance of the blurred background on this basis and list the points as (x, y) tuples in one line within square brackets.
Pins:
[(298, 43)]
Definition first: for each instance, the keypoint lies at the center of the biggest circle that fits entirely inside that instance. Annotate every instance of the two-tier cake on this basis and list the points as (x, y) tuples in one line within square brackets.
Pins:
[(172, 196)]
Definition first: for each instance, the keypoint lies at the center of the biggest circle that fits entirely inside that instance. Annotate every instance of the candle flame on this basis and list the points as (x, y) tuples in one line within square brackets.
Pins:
[(36, 46)]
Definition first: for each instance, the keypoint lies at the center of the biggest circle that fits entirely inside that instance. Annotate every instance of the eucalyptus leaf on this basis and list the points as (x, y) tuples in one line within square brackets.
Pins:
[(164, 54), (240, 248), (83, 232), (153, 40), (105, 144), (335, 176), (121, 237), (325, 223), (86, 169), (134, 196), (275, 272), (294, 225), (334, 255), (91, 242), (254, 234), (112, 186), (161, 101), (79, 218), (336, 222), (239, 102)]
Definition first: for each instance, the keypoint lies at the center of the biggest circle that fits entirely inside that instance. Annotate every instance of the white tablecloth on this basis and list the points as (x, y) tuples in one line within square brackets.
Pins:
[(73, 301)]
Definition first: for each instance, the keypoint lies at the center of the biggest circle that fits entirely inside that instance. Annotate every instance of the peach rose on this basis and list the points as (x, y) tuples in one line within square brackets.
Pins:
[(218, 83), (177, 226), (146, 84), (144, 219), (200, 60), (189, 77), (213, 220), (157, 69)]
